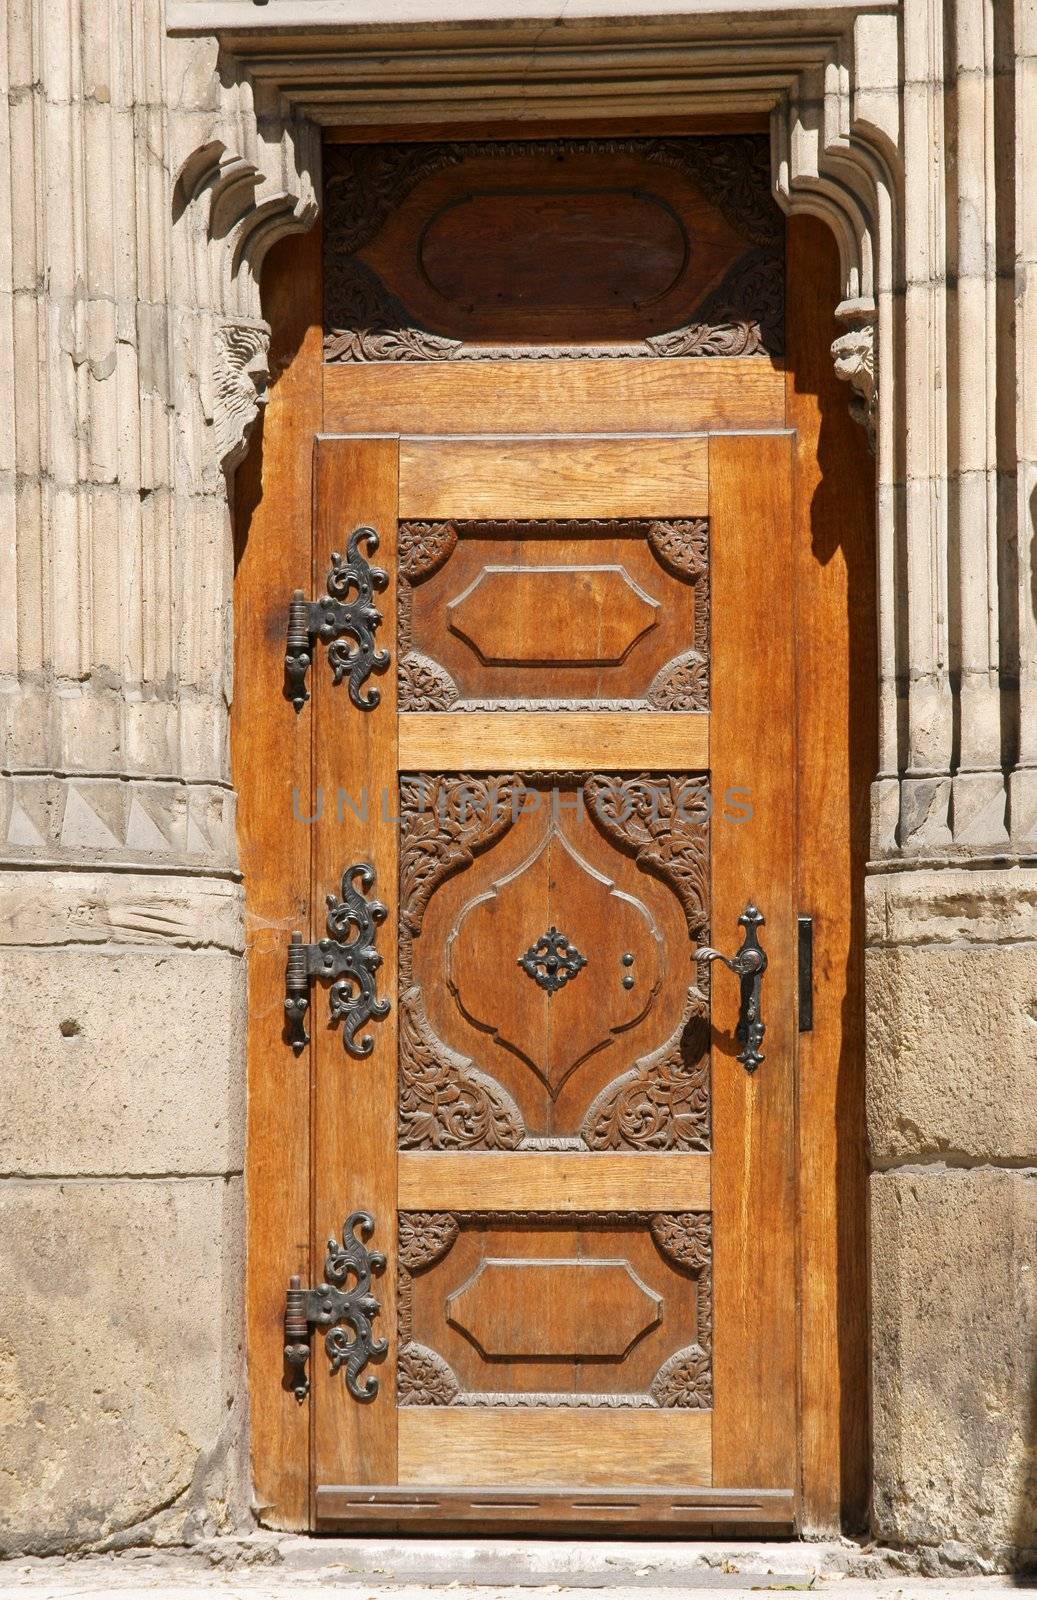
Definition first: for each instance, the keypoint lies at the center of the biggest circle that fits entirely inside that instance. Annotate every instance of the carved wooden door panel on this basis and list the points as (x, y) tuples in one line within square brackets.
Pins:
[(577, 775)]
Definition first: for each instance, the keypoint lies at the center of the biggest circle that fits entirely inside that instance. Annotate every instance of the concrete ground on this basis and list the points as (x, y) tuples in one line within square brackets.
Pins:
[(269, 1567)]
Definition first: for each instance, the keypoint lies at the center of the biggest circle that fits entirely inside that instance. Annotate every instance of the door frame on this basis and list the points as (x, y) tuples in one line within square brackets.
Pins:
[(837, 739)]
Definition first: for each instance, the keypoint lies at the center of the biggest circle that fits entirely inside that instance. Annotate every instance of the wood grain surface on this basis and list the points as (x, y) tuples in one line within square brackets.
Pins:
[(553, 477), (837, 743), (681, 395), (564, 1448), (271, 760), (510, 741), (552, 1181), (753, 745), (355, 1100)]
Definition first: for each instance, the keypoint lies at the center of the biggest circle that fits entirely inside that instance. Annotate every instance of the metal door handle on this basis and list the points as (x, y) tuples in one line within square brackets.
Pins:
[(749, 963)]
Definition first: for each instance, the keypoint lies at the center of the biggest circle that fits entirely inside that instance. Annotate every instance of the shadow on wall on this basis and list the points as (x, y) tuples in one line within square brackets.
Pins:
[(839, 582)]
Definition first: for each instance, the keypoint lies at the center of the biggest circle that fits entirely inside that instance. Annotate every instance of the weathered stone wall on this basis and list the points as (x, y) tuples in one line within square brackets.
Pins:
[(952, 1091), (121, 973)]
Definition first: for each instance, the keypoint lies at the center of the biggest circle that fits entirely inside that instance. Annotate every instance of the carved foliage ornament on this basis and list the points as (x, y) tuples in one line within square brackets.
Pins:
[(445, 1102), (445, 821), (664, 823), (662, 1103), (365, 321)]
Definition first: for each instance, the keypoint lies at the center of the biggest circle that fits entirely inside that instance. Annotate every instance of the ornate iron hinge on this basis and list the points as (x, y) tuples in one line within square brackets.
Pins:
[(347, 626), (351, 964), (749, 963), (329, 1305)]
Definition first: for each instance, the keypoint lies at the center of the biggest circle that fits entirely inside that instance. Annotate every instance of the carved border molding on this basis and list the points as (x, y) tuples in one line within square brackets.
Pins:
[(681, 546), (685, 1379)]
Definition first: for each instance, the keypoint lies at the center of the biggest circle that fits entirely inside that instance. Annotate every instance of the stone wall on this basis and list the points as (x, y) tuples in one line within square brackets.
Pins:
[(142, 178), (952, 1091), (122, 1017)]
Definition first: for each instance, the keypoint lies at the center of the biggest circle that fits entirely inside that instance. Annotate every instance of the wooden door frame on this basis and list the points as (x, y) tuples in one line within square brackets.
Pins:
[(837, 740)]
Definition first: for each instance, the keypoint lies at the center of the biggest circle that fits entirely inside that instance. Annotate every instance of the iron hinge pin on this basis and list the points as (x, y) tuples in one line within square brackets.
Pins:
[(346, 618), (351, 964), (329, 1306)]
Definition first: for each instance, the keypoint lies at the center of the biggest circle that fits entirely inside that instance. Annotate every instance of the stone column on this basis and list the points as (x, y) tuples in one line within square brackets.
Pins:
[(952, 957), (121, 1330)]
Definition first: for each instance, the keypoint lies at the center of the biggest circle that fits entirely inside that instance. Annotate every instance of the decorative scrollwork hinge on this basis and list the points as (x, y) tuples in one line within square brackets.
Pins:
[(330, 1305), (749, 963), (347, 626), (351, 964)]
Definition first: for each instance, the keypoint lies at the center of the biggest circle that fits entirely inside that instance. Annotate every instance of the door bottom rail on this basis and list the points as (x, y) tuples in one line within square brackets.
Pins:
[(372, 1505)]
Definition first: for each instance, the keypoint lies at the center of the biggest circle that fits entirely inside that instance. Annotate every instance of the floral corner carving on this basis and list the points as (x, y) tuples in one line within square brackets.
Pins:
[(445, 1102), (685, 1380), (663, 822), (663, 1102), (423, 1378), (686, 1237)]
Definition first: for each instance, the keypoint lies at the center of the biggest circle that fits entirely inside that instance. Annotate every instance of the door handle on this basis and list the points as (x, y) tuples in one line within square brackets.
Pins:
[(749, 963)]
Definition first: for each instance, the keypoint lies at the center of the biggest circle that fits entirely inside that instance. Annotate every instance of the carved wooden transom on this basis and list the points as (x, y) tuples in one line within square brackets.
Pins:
[(562, 247)]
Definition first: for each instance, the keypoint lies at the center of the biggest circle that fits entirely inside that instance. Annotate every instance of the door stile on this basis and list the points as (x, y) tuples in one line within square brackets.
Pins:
[(355, 757), (272, 773), (754, 1216)]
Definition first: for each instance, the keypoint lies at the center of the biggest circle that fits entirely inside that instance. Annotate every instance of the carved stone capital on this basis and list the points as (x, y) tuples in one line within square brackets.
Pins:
[(240, 377), (854, 356), (229, 209)]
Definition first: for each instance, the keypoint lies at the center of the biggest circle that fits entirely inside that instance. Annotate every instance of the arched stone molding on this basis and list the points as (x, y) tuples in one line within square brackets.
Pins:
[(236, 196), (836, 153), (861, 121)]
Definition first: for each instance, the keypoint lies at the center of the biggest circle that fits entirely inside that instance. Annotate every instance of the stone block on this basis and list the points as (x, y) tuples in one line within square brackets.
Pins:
[(954, 1326), (121, 1356), (952, 906), (122, 1061), (952, 1052)]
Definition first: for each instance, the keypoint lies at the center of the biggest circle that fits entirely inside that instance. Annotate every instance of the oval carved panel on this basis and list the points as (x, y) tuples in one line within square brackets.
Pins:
[(505, 249), (554, 615), (509, 247), (574, 1308)]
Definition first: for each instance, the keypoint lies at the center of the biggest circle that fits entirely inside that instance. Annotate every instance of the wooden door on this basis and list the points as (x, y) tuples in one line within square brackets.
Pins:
[(578, 772), (596, 523)]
